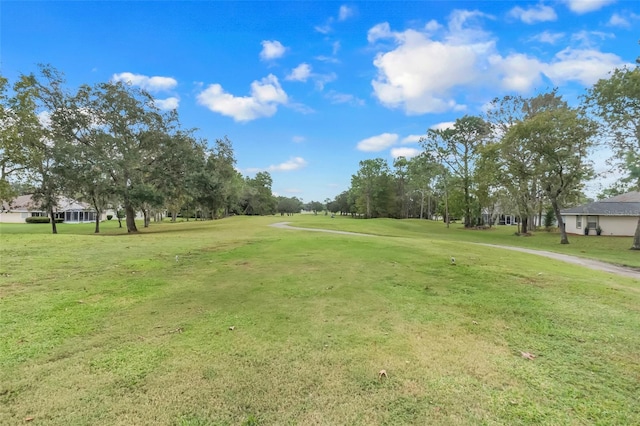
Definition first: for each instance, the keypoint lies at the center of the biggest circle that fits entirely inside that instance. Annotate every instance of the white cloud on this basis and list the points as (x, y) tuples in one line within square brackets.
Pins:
[(548, 37), (378, 143), (618, 20), (152, 84), (167, 104), (443, 126), (345, 12), (585, 66), (294, 163), (266, 95), (405, 152), (298, 139), (411, 139), (537, 13), (421, 74), (518, 72), (585, 6), (300, 73), (272, 49)]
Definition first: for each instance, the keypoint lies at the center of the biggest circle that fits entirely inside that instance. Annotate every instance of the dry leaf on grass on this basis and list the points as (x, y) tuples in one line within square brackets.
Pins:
[(528, 355)]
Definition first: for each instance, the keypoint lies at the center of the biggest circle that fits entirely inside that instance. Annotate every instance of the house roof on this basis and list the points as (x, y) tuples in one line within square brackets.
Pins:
[(24, 203), (621, 205)]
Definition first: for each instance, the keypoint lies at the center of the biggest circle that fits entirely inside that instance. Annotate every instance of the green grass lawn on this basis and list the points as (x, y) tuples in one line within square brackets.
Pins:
[(609, 249), (114, 329)]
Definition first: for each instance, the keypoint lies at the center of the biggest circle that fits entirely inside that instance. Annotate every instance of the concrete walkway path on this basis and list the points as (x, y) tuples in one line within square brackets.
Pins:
[(587, 263)]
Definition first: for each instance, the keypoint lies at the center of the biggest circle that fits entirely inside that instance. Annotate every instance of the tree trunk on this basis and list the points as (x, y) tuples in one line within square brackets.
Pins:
[(467, 208), (561, 227), (130, 218), (145, 214), (422, 205), (174, 216), (97, 231), (636, 237), (525, 224), (54, 229)]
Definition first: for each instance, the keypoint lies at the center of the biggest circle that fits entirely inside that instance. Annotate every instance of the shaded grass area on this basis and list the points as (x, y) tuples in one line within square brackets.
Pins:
[(606, 248), (113, 330)]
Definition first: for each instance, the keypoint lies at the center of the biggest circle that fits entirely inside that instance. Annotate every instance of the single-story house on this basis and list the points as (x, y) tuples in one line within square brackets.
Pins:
[(71, 211), (615, 216)]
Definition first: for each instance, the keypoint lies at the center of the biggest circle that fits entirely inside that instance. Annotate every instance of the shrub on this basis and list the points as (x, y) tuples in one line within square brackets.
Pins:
[(598, 230), (109, 216), (549, 218), (586, 230), (59, 220), (37, 219)]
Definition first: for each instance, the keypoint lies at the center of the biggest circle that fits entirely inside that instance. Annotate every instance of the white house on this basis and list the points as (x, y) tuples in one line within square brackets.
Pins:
[(71, 211), (615, 216)]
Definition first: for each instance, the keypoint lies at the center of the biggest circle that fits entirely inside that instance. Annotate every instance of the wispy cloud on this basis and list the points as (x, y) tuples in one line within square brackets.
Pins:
[(534, 14), (345, 12), (548, 37), (300, 73), (584, 6), (343, 98)]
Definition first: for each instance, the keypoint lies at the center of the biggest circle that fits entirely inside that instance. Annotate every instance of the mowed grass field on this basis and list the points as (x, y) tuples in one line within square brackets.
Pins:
[(234, 322)]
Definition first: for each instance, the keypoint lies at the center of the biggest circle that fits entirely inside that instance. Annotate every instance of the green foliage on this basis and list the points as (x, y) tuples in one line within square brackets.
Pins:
[(549, 218), (109, 216), (38, 219)]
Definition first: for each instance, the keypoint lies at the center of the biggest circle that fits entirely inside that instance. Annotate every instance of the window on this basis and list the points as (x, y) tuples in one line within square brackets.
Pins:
[(578, 222), (592, 222)]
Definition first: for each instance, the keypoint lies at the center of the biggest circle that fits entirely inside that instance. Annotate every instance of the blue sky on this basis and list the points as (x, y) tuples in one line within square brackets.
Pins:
[(306, 90)]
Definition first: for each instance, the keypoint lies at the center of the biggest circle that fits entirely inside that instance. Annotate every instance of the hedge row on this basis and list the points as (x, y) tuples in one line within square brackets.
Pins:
[(41, 219)]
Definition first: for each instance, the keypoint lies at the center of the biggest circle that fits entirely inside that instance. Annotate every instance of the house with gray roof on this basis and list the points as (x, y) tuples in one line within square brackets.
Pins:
[(615, 216)]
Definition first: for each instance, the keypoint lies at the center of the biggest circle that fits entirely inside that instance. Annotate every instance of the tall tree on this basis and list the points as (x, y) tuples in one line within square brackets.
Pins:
[(559, 141), (131, 128), (39, 105), (516, 163), (423, 170), (457, 148), (370, 186), (615, 101)]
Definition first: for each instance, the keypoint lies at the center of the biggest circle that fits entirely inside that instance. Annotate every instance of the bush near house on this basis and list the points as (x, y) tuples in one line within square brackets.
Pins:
[(41, 219), (37, 219)]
